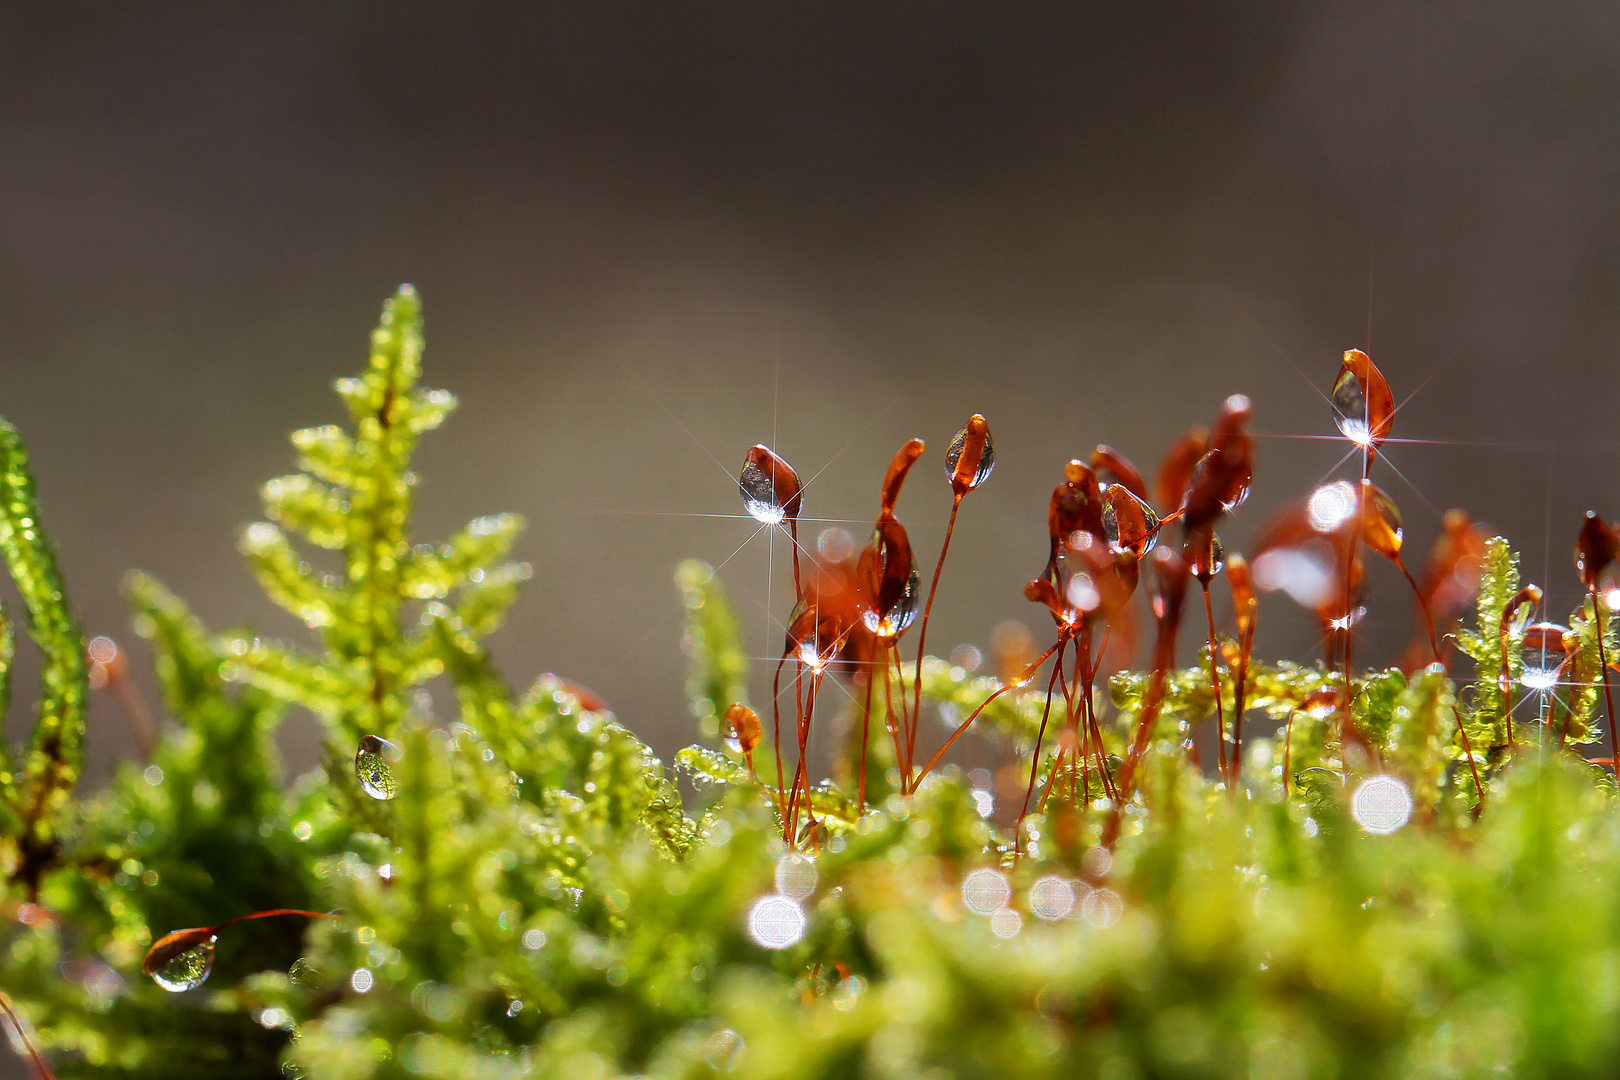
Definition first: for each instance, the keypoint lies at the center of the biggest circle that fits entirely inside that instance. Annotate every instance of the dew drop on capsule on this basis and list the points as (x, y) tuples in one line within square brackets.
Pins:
[(971, 456), (769, 486), (900, 617), (1544, 650), (1350, 408), (181, 961), (372, 769)]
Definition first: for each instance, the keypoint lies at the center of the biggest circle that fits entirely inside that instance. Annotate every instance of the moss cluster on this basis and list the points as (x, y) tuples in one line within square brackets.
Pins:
[(535, 899)]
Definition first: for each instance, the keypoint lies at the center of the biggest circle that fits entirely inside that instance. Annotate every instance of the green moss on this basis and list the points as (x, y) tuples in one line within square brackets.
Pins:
[(536, 899)]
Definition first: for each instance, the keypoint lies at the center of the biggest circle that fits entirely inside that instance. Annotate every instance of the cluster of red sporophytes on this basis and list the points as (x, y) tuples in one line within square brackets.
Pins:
[(1103, 524)]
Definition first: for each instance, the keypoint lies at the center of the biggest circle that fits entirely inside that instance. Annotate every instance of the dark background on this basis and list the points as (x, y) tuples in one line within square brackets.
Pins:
[(649, 234)]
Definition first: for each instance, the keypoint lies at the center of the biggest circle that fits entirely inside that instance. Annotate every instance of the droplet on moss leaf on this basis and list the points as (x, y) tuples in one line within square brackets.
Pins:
[(372, 768)]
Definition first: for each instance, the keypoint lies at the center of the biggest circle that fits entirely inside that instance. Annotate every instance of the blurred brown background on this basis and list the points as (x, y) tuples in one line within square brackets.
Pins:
[(651, 233)]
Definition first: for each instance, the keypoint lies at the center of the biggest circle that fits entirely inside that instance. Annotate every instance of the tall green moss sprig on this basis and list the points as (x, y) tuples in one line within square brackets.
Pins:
[(35, 791), (1487, 714), (354, 497)]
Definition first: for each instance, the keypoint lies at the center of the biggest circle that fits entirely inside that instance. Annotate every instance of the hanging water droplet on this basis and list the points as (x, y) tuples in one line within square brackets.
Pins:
[(1129, 523), (1207, 559), (904, 612), (1350, 408), (372, 767), (1544, 651), (1362, 405), (770, 487), (971, 456), (182, 960), (1380, 521), (745, 728)]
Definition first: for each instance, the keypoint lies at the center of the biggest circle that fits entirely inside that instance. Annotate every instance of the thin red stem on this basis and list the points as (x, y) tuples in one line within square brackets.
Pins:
[(22, 1036), (922, 640), (1035, 759), (962, 728)]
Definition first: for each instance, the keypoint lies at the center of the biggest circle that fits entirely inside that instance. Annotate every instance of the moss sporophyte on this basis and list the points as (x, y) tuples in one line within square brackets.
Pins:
[(1236, 867)]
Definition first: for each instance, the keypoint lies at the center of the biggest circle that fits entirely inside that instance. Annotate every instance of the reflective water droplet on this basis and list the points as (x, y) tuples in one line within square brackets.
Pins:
[(770, 487), (1544, 650), (904, 612), (181, 960), (1363, 407), (1380, 521), (1350, 408), (971, 456), (1129, 523), (372, 767), (745, 727), (1206, 559)]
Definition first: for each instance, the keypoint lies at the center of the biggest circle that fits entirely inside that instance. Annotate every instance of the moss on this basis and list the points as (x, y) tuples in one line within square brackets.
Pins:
[(536, 899)]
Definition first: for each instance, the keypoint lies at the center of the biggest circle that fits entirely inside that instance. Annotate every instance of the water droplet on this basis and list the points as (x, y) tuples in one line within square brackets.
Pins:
[(776, 922), (182, 960), (971, 456), (1129, 523), (1381, 804), (1544, 651), (745, 728), (899, 617), (985, 891), (1207, 559), (372, 767), (1380, 521), (1350, 408), (1363, 407), (362, 980), (770, 487)]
